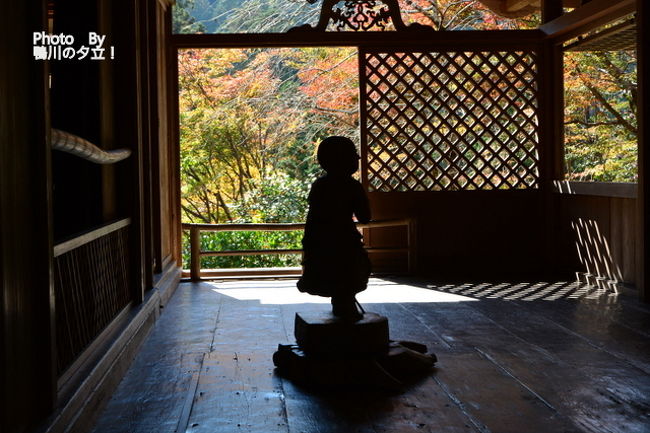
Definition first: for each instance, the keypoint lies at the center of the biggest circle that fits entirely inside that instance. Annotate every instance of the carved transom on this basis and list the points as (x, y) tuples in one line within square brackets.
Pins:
[(360, 15)]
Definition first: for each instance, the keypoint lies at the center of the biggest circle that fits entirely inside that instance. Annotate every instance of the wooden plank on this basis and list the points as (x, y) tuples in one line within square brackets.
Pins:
[(496, 403), (227, 253), (82, 408), (593, 386), (475, 39), (629, 240), (562, 371), (615, 238), (616, 340), (69, 245), (286, 226), (237, 390), (503, 366), (604, 189), (256, 272), (245, 227), (152, 395), (586, 17), (459, 368), (184, 419), (423, 407)]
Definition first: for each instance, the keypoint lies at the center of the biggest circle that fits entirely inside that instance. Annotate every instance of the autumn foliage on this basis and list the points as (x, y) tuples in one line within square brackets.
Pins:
[(250, 119)]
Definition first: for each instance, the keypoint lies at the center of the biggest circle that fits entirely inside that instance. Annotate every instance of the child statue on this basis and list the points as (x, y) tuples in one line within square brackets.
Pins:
[(334, 261)]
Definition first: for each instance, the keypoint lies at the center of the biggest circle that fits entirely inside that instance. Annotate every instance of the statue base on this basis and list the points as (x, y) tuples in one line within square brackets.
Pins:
[(323, 333), (335, 352)]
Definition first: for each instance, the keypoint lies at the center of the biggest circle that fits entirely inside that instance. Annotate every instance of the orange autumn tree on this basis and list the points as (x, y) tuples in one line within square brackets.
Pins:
[(461, 15), (250, 121)]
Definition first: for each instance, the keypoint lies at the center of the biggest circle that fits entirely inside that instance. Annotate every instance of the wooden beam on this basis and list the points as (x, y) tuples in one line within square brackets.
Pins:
[(515, 5), (469, 39), (76, 242), (601, 189), (572, 3), (585, 18)]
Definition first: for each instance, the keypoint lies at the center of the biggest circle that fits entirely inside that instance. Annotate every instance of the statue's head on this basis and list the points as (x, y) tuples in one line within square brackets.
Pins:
[(338, 155)]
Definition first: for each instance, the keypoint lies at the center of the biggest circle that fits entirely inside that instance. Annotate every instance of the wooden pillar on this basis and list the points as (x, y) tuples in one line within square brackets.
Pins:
[(27, 366), (127, 77), (195, 253), (551, 113), (175, 146), (107, 114), (643, 119), (551, 9)]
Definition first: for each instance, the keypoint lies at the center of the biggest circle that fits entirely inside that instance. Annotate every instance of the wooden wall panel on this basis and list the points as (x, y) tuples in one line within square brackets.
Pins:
[(473, 234), (597, 235)]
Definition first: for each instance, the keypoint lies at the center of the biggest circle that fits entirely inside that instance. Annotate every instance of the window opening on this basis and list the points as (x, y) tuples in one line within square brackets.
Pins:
[(250, 121), (600, 88), (279, 16)]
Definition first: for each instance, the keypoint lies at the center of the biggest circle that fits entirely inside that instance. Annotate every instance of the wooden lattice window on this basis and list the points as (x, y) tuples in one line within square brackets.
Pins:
[(450, 120)]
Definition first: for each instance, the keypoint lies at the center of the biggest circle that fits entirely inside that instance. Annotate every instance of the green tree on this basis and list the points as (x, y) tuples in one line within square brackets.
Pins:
[(182, 19), (600, 116)]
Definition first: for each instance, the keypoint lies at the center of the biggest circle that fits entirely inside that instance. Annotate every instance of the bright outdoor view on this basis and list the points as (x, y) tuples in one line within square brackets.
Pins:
[(265, 16), (250, 123), (251, 119), (600, 116)]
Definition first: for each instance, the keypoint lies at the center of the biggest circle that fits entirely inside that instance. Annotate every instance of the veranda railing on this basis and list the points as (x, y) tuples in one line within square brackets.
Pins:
[(196, 252)]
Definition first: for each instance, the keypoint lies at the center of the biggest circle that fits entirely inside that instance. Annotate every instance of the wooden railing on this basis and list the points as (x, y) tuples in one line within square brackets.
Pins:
[(91, 287), (196, 253)]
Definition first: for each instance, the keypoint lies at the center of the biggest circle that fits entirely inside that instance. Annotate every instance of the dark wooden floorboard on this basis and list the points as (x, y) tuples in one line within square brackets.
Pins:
[(151, 396), (506, 364), (600, 386), (422, 407)]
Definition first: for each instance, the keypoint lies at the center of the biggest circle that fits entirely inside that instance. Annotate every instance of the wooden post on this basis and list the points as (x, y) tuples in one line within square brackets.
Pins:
[(551, 9), (551, 133), (27, 308), (643, 233), (195, 253)]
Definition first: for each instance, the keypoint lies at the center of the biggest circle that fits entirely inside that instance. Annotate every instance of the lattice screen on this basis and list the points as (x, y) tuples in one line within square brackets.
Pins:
[(451, 120)]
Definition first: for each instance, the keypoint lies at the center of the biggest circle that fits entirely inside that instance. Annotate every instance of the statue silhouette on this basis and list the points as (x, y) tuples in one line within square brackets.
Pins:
[(334, 261)]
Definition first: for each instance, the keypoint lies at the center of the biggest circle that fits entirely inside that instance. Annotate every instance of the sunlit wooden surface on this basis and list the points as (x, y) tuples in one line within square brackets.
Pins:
[(513, 357)]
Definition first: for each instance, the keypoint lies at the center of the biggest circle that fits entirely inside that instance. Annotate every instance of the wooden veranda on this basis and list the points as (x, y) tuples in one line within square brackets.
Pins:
[(461, 136)]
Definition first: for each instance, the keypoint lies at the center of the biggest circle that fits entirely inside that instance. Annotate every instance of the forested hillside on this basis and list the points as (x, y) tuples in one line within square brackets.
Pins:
[(250, 119)]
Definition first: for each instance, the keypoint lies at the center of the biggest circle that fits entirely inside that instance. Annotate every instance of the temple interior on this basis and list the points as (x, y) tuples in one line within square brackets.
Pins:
[(525, 279)]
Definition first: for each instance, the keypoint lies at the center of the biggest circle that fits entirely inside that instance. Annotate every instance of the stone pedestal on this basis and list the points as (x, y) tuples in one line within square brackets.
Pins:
[(322, 333), (332, 352)]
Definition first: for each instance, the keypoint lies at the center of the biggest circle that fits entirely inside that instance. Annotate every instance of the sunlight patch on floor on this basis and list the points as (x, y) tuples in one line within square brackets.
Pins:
[(378, 292), (526, 291)]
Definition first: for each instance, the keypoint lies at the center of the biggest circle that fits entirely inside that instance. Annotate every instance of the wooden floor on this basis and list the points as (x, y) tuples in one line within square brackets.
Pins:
[(520, 358)]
